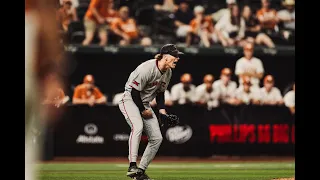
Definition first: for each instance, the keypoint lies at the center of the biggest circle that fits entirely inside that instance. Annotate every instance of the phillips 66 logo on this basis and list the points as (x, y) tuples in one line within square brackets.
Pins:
[(179, 134)]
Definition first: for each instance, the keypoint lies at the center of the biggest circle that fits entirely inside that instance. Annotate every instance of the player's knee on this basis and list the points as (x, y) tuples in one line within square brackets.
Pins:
[(158, 140)]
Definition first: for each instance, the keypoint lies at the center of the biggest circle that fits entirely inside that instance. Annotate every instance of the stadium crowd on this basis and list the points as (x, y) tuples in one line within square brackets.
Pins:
[(205, 23), (210, 94), (187, 22)]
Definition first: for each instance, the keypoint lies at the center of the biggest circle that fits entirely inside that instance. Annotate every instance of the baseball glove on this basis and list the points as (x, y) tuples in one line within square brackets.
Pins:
[(169, 119)]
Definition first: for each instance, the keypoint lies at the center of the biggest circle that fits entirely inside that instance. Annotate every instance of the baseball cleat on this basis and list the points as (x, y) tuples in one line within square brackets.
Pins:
[(142, 175), (132, 172)]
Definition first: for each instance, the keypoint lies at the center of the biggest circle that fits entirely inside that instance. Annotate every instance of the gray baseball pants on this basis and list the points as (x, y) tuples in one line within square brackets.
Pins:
[(137, 124)]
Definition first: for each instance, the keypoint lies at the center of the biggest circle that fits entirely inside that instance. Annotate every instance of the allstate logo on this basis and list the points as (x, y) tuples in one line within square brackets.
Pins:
[(90, 129), (179, 134)]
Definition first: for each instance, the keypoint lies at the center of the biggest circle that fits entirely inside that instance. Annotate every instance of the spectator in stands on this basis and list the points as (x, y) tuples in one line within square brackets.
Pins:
[(202, 27), (75, 3), (287, 17), (167, 99), (226, 87), (246, 93), (289, 100), (125, 27), (88, 93), (166, 5), (183, 17), (66, 14), (206, 94), (184, 92), (231, 28), (268, 18), (270, 95), (249, 66), (99, 15), (253, 32), (217, 15)]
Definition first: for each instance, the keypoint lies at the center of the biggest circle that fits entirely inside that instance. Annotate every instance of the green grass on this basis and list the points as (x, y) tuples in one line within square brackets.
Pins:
[(170, 171)]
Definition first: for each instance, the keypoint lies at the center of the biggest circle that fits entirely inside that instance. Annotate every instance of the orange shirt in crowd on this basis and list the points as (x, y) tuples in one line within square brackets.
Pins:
[(112, 15), (267, 13), (102, 6), (82, 92), (206, 24), (129, 26)]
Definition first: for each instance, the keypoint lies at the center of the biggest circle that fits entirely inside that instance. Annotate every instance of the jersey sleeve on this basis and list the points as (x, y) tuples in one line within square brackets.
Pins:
[(77, 92), (175, 92), (115, 24), (260, 68), (278, 95), (192, 94), (94, 4), (222, 22), (97, 93), (167, 95), (289, 99), (198, 93), (140, 80), (238, 68)]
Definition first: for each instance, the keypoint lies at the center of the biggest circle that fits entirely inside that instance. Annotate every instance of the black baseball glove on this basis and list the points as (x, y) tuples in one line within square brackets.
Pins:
[(169, 119)]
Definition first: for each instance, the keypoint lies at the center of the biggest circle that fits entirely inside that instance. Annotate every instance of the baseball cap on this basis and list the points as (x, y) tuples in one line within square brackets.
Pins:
[(248, 46), (208, 78), (88, 79), (231, 1), (226, 71), (269, 79), (288, 2), (170, 49), (198, 9), (246, 80)]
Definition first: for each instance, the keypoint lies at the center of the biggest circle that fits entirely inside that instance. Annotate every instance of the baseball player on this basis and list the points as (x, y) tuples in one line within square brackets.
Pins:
[(249, 66), (226, 87), (206, 94), (184, 92), (289, 100), (148, 81), (270, 95)]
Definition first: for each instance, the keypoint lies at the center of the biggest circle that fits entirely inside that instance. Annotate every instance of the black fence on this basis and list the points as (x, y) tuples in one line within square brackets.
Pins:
[(227, 130)]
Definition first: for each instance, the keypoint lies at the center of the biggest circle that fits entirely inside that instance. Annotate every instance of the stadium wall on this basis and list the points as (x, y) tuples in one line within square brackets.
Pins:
[(101, 131)]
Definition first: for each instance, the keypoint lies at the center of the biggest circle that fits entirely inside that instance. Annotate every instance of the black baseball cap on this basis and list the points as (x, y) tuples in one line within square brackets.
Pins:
[(170, 49)]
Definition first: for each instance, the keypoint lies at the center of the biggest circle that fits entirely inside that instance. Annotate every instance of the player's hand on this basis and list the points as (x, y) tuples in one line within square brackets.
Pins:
[(162, 111), (125, 37), (146, 114), (91, 101)]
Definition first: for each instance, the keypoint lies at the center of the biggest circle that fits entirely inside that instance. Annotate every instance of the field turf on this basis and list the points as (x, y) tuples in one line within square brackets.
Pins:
[(170, 171)]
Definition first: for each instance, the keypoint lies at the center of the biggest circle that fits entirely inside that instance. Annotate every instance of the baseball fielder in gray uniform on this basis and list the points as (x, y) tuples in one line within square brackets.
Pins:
[(148, 81)]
